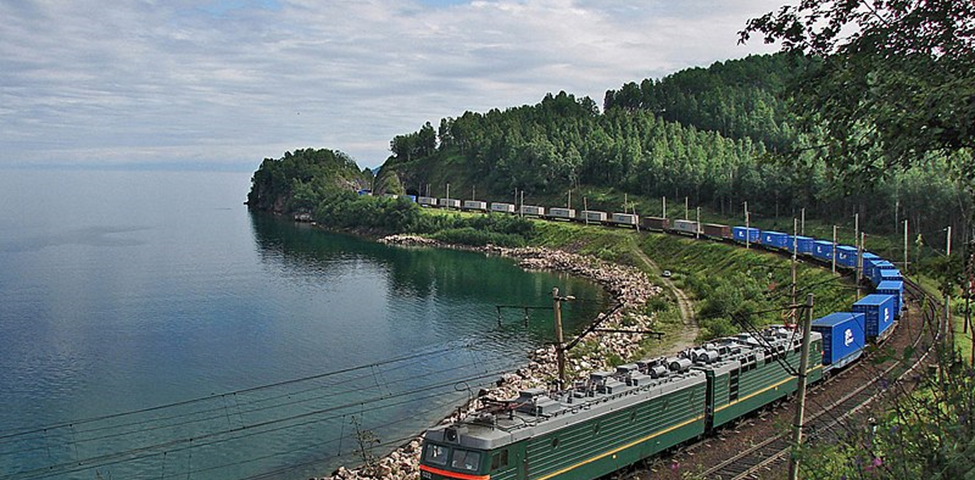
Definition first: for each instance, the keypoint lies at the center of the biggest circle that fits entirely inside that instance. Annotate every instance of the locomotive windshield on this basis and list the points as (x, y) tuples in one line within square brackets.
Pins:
[(465, 460), (436, 454)]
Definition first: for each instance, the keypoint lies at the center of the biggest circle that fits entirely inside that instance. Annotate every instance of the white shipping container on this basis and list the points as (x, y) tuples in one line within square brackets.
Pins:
[(430, 201), (475, 205), (594, 216), (625, 218), (557, 212), (532, 210), (502, 207), (449, 203)]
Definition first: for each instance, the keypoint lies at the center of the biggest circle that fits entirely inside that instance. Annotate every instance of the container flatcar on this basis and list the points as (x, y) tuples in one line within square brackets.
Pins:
[(804, 245), (846, 256), (844, 337), (878, 311), (427, 201), (754, 235), (448, 203), (896, 289), (475, 205), (624, 219), (823, 250), (716, 231), (890, 275), (532, 210), (559, 213), (658, 224), (593, 216), (501, 207), (775, 239), (687, 227)]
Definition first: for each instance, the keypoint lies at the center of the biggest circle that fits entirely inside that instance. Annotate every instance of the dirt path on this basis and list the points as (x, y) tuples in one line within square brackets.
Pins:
[(687, 336)]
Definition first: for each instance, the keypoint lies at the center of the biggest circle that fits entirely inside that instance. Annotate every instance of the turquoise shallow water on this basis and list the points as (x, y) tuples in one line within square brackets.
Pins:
[(124, 291)]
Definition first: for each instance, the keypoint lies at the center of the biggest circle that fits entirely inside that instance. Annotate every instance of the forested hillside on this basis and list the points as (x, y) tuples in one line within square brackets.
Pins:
[(720, 135), (298, 181)]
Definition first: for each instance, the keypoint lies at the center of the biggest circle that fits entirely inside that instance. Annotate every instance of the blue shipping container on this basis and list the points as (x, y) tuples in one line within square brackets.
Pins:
[(803, 244), (878, 311), (775, 239), (823, 250), (870, 256), (872, 269), (890, 275), (843, 337), (895, 288), (846, 256), (754, 234)]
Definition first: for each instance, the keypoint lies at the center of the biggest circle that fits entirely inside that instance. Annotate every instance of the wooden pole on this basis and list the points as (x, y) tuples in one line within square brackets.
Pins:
[(801, 390)]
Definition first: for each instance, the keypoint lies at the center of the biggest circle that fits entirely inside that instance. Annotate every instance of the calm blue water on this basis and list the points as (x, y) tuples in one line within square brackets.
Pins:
[(124, 291)]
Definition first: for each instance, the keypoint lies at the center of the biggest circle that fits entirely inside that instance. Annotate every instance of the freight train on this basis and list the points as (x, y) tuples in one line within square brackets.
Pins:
[(617, 418)]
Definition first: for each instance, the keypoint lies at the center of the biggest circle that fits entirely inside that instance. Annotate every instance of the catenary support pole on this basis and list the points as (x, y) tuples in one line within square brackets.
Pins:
[(832, 256), (795, 255), (801, 390), (748, 229)]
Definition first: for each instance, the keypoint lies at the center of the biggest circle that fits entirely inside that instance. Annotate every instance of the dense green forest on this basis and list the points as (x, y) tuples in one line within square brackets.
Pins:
[(720, 135), (299, 181)]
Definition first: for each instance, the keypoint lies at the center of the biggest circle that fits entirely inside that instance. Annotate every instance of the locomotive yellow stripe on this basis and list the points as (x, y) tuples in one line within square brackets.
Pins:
[(770, 387), (620, 449)]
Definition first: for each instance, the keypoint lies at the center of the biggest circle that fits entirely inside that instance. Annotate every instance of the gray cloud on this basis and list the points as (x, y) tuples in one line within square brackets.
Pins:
[(229, 82)]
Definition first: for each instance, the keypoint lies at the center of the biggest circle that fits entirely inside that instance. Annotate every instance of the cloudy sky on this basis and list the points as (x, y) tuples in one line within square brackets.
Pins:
[(223, 84)]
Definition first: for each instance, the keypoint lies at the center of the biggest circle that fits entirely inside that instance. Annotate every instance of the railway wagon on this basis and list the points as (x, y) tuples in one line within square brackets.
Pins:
[(561, 213), (448, 203), (658, 224), (615, 420), (846, 256), (890, 275), (878, 311), (754, 235), (687, 227), (823, 250), (475, 205), (716, 231), (594, 216), (746, 378), (502, 207), (844, 337), (624, 219), (532, 210), (804, 245), (775, 240), (874, 269), (427, 201), (895, 289)]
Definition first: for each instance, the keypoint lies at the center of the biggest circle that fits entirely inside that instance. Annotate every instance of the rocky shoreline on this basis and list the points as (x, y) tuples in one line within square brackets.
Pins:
[(630, 290)]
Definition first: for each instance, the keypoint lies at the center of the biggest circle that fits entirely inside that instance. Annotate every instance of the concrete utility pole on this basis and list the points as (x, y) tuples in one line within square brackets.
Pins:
[(859, 270), (748, 229), (448, 197), (569, 204), (833, 255), (697, 231), (665, 207), (795, 255), (473, 193), (560, 341), (686, 210), (905, 246), (803, 229), (585, 209), (948, 326), (801, 389)]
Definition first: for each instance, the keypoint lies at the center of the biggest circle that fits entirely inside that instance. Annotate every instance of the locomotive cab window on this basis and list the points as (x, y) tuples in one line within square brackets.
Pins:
[(499, 460), (436, 454), (466, 460)]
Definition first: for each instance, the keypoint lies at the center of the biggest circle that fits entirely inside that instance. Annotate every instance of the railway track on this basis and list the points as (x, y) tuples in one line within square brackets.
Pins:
[(828, 411), (827, 420)]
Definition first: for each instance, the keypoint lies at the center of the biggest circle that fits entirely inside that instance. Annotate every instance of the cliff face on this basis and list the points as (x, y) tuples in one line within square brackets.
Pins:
[(298, 181)]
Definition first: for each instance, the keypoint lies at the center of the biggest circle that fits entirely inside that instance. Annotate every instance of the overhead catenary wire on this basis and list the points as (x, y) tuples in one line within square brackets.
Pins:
[(196, 441), (240, 413), (74, 423)]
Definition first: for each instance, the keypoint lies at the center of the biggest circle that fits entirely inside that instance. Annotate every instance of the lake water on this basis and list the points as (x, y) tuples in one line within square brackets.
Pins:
[(151, 327)]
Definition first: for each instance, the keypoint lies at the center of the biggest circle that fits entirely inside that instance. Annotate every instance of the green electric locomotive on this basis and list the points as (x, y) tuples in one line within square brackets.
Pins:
[(618, 418)]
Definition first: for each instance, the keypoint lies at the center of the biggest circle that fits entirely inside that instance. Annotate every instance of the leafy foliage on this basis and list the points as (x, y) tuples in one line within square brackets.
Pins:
[(297, 181)]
